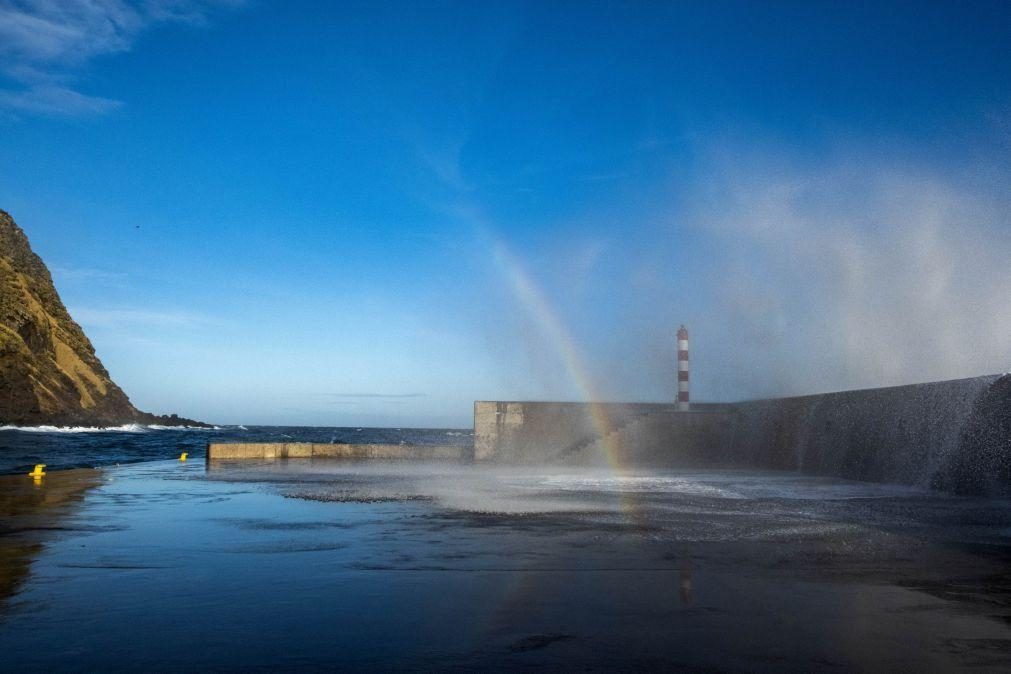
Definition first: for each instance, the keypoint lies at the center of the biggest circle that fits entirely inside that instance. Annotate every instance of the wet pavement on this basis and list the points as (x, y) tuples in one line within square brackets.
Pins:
[(316, 565)]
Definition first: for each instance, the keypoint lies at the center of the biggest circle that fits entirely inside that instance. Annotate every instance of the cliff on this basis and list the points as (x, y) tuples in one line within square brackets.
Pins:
[(49, 373)]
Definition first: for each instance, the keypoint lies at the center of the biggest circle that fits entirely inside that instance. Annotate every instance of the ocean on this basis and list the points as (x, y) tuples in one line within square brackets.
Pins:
[(62, 448)]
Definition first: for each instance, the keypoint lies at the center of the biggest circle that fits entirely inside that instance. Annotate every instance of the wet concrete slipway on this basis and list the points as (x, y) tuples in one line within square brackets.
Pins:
[(315, 566)]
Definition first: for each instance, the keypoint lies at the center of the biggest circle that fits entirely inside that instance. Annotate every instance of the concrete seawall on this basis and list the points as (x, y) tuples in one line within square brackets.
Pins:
[(538, 432), (902, 434), (309, 450), (951, 435)]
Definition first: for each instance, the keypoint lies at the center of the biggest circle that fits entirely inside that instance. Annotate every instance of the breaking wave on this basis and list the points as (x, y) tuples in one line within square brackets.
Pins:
[(158, 427), (125, 428)]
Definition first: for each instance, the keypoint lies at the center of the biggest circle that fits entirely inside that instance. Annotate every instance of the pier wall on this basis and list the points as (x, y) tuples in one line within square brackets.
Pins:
[(521, 432), (951, 435), (310, 450), (552, 432)]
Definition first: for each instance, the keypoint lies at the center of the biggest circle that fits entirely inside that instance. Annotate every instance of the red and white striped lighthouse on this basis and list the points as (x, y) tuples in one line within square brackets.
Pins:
[(683, 405)]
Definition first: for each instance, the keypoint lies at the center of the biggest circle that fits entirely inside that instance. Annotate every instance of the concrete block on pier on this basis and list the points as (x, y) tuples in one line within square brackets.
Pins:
[(314, 450)]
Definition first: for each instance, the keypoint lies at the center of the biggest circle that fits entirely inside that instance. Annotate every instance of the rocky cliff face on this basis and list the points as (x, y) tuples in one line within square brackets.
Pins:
[(49, 373)]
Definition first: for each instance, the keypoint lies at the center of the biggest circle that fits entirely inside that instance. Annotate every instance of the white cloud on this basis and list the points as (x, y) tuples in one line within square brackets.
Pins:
[(45, 43)]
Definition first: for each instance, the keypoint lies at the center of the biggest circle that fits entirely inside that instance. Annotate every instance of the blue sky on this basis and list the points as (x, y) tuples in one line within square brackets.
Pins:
[(376, 213)]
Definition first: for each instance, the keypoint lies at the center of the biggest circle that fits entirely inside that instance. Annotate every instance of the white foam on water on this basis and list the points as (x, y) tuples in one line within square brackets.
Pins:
[(158, 427), (638, 483), (125, 428), (731, 486), (519, 490)]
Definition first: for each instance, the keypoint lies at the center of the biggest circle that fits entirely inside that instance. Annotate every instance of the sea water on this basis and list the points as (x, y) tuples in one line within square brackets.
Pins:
[(84, 447)]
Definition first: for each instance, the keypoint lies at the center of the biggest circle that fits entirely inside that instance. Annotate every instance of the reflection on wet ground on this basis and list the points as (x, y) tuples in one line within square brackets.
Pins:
[(310, 565), (31, 512)]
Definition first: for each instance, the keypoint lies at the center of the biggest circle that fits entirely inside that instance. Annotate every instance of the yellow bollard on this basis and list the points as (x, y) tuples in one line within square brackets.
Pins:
[(182, 457), (37, 473)]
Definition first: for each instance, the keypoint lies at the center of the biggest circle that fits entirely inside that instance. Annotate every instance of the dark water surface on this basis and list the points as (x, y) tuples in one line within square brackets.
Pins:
[(316, 565), (61, 448)]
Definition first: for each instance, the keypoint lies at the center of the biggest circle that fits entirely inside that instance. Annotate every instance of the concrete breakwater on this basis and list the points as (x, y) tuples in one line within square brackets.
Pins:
[(599, 433), (313, 450), (952, 435)]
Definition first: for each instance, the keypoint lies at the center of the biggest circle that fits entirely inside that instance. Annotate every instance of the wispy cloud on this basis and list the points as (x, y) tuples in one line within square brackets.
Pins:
[(138, 318), (55, 101), (86, 274), (610, 176), (444, 163), (377, 395), (45, 44)]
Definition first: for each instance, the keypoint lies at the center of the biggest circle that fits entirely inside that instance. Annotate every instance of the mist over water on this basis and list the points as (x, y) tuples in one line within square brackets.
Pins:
[(794, 275), (528, 490), (856, 276)]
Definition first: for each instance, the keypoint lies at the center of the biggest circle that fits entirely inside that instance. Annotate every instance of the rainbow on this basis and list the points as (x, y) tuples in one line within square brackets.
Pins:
[(534, 301)]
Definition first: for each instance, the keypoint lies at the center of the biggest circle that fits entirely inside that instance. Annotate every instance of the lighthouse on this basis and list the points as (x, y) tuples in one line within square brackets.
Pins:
[(683, 404)]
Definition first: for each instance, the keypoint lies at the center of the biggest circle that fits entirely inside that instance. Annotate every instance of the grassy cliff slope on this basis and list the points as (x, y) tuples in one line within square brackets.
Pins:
[(49, 373)]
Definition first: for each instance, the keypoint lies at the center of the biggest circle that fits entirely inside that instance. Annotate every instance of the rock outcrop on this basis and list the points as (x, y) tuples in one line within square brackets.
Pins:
[(49, 373)]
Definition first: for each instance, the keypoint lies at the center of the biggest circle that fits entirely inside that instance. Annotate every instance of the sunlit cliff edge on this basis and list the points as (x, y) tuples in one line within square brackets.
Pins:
[(49, 373)]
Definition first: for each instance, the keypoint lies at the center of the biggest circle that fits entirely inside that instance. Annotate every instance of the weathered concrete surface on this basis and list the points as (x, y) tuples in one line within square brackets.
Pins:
[(668, 438), (901, 434), (309, 450), (982, 462), (951, 435), (539, 432)]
